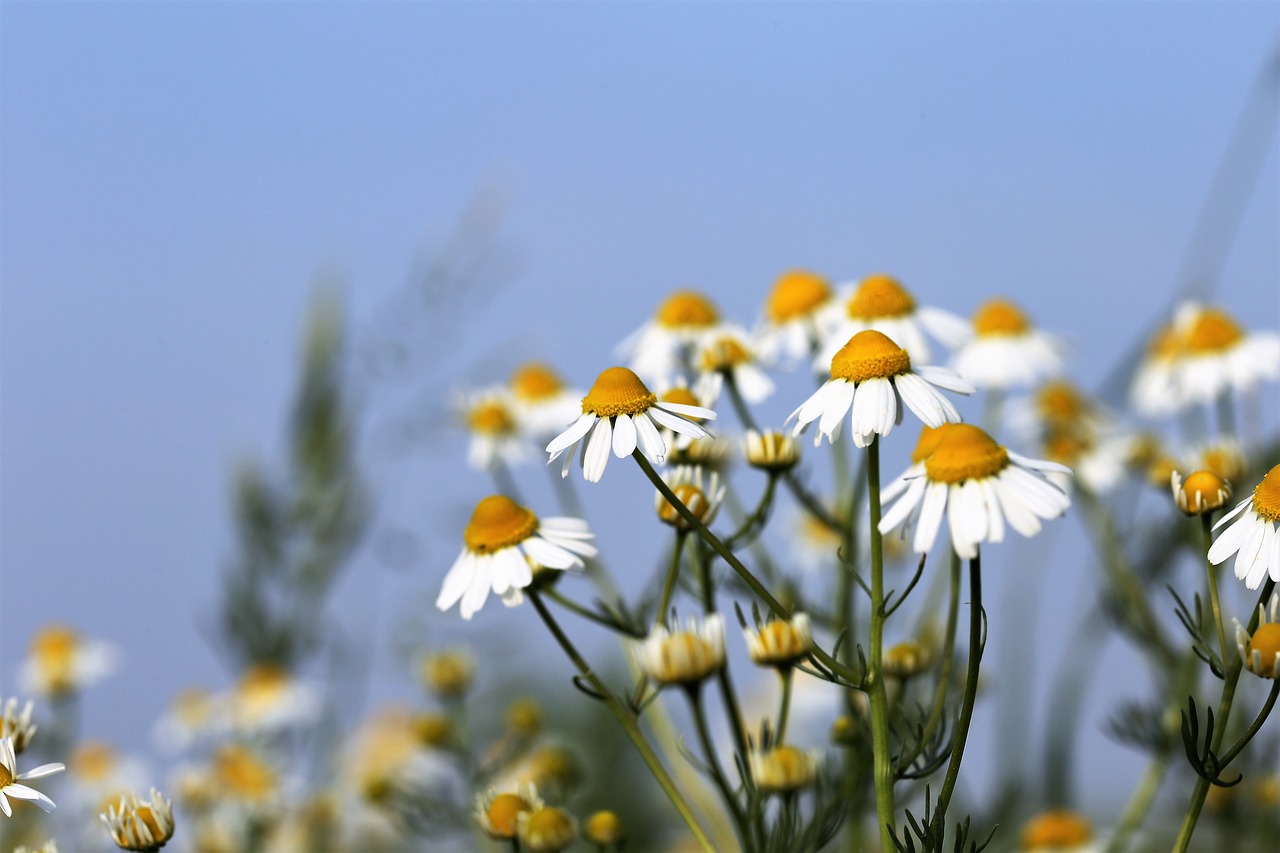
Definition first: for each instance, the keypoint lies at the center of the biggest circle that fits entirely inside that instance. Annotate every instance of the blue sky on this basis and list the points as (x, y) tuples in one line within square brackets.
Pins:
[(175, 177)]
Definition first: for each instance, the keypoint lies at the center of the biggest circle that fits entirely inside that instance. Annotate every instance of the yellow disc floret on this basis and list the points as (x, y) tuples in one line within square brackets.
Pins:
[(547, 830), (1201, 492), (1212, 331), (692, 497), (686, 308), (503, 814), (498, 522), (491, 417), (618, 391), (242, 774), (879, 296), (965, 452), (1266, 497), (1266, 642), (1061, 404), (1000, 317), (603, 828), (1054, 830), (724, 354), (795, 294), (535, 381), (869, 355), (927, 442)]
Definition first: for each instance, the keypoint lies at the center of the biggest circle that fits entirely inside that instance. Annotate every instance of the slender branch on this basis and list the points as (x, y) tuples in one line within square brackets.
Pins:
[(694, 692), (669, 585), (588, 614), (882, 764), (1243, 741), (944, 675), (786, 674)]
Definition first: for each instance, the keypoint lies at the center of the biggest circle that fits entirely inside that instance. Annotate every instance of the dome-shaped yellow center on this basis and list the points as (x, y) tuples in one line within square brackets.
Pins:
[(879, 296), (242, 774), (691, 496), (795, 294), (603, 828), (684, 309), (1212, 331), (1056, 829), (503, 814), (491, 417), (1266, 642), (498, 522), (1202, 491), (1061, 404), (6, 778), (927, 442), (1165, 344), (869, 355), (547, 829), (261, 687), (1000, 317), (965, 452), (93, 761), (535, 381), (618, 391), (724, 354), (144, 816), (1266, 497)]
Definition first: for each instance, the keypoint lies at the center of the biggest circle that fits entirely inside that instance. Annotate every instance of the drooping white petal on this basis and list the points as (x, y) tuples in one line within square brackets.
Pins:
[(899, 512), (931, 510), (478, 592), (547, 554), (649, 439), (687, 410), (457, 580), (597, 452), (1020, 516), (838, 403), (995, 520), (571, 435), (675, 423), (967, 514), (624, 436)]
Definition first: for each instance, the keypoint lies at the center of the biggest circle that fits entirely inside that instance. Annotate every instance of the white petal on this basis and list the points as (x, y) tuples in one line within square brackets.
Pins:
[(687, 410), (967, 515), (944, 378), (1020, 516), (624, 436), (1240, 506), (837, 404), (572, 435), (22, 792), (457, 580), (649, 439), (899, 512), (931, 510), (921, 399), (4, 806), (813, 407), (995, 520), (597, 452), (547, 554), (675, 423), (478, 592), (44, 770)]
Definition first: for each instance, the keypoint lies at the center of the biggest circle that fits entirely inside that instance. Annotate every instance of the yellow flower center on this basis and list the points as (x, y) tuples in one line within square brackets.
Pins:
[(535, 381), (795, 294), (691, 496), (1202, 491), (965, 452), (243, 775), (999, 317), (433, 730), (498, 522), (1266, 497), (53, 651), (503, 814), (1056, 829), (1165, 344), (1266, 641), (879, 296), (724, 354), (1212, 331), (603, 828), (261, 687), (685, 308), (618, 391), (93, 761), (144, 816), (491, 417), (1061, 403), (547, 829), (1063, 448), (6, 778), (927, 442), (869, 355)]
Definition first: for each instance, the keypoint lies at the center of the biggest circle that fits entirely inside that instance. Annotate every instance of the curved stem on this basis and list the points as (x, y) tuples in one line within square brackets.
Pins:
[(669, 585), (723, 678), (713, 762), (786, 674), (882, 765), (1243, 741), (944, 675)]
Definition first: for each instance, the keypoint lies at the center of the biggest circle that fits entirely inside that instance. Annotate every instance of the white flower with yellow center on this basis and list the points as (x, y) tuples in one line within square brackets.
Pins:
[(772, 450), (498, 812), (793, 316), (501, 545), (1154, 391), (1098, 463), (1200, 492), (245, 779), (662, 346), (780, 642), (1217, 355), (1058, 831), (494, 425), (621, 413), (1260, 652), (1253, 536), (1006, 350), (544, 404), (871, 377), (979, 485), (701, 494), (728, 352), (101, 775), (880, 302), (702, 394), (17, 725), (193, 714), (143, 825), (387, 765), (62, 661), (682, 656), (268, 698), (783, 769), (11, 780)]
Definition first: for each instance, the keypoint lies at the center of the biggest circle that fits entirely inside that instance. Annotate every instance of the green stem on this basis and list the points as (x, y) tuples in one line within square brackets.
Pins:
[(882, 765), (629, 725), (589, 614), (1206, 521), (785, 673), (944, 675), (694, 692), (727, 694), (846, 625), (669, 585), (1243, 741), (961, 734)]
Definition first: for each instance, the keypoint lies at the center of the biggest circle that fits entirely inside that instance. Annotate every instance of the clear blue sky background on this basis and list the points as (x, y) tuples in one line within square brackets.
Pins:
[(173, 178)]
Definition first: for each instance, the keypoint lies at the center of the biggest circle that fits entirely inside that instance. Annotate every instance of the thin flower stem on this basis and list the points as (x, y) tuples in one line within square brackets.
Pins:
[(694, 693), (1212, 572), (847, 616), (1243, 741), (961, 734), (587, 613), (629, 725), (786, 673), (944, 675), (882, 767), (502, 478), (669, 585)]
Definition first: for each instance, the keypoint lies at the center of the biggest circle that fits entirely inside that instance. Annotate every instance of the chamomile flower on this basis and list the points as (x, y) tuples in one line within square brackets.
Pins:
[(682, 656), (543, 403), (1217, 355), (1252, 535), (1260, 651), (491, 419), (702, 393), (193, 714), (101, 775), (1154, 391), (17, 726), (621, 412), (1006, 350), (136, 824), (546, 830), (702, 494), (11, 780), (979, 485), (784, 769), (62, 661), (871, 377), (793, 316), (387, 765), (780, 642), (728, 352), (1200, 492), (1058, 831), (269, 698), (772, 451), (663, 346), (501, 545), (880, 302), (498, 812)]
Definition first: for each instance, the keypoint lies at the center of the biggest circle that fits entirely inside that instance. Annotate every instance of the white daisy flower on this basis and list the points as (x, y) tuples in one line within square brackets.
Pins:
[(728, 351), (1253, 537), (1006, 350), (1154, 392), (1218, 356), (61, 661), (544, 404), (1057, 407), (1098, 463), (136, 824), (498, 812), (11, 779), (17, 725), (193, 714), (621, 412), (502, 544), (784, 769), (793, 325), (491, 419), (871, 377), (702, 394), (980, 485), (1260, 652), (702, 495), (682, 656), (268, 698), (662, 346), (880, 302)]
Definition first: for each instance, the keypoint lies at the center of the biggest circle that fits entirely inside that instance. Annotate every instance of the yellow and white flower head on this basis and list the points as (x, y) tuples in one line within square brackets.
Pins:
[(1217, 355), (728, 351), (544, 404), (1154, 391), (663, 346), (1260, 652), (1253, 534), (246, 780), (101, 775), (1058, 407), (871, 378), (1223, 457), (702, 494), (269, 698), (772, 450), (980, 486), (682, 656), (502, 544), (62, 661), (784, 769), (1058, 831), (1200, 492), (498, 812), (11, 780), (546, 830), (193, 714), (880, 302), (17, 726), (386, 763), (794, 316), (620, 412), (494, 426), (1006, 350), (780, 642), (136, 824), (703, 394)]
